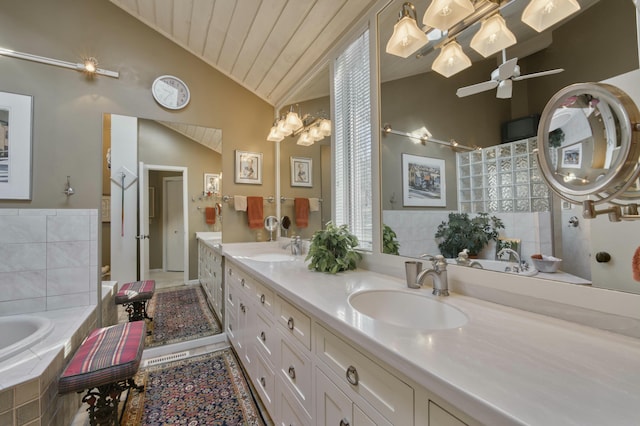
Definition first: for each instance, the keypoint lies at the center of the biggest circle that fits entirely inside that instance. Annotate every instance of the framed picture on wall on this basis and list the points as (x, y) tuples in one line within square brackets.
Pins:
[(301, 171), (15, 146), (105, 208), (248, 167), (211, 184), (423, 181), (572, 156)]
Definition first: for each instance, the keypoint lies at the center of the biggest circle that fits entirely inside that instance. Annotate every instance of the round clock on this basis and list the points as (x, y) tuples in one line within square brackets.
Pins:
[(170, 92)]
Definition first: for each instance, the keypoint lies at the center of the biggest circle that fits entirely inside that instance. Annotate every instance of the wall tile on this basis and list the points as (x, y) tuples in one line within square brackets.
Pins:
[(22, 229), (22, 257), (68, 228), (67, 281), (68, 254), (27, 391), (23, 285), (25, 306), (68, 301), (6, 400)]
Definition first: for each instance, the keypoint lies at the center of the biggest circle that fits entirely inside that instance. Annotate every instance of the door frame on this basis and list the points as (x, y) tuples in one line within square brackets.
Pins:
[(185, 212)]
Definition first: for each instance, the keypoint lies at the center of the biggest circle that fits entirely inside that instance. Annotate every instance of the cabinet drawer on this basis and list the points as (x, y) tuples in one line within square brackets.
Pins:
[(291, 413), (264, 297), (295, 323), (386, 393), (264, 381), (295, 369), (266, 338)]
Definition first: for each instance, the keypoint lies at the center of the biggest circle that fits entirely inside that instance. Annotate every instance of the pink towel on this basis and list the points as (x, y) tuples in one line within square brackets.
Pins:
[(254, 212)]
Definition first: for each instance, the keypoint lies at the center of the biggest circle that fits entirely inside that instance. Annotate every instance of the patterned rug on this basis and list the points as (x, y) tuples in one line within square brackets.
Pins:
[(179, 314), (207, 389)]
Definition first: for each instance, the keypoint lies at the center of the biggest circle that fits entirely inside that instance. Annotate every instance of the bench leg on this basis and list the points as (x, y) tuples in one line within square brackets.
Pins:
[(104, 400), (137, 311)]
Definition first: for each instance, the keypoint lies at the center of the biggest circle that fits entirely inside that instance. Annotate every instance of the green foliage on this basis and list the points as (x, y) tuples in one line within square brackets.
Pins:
[(332, 250), (463, 232), (390, 244), (556, 137)]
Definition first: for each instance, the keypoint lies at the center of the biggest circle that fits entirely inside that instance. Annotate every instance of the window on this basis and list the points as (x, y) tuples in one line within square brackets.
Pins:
[(352, 106)]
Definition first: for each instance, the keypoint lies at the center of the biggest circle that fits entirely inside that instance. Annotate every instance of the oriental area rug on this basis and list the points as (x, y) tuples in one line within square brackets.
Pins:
[(180, 314), (208, 389)]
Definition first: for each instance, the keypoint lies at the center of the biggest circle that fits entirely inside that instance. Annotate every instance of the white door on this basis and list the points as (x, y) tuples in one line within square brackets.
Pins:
[(143, 221), (174, 220)]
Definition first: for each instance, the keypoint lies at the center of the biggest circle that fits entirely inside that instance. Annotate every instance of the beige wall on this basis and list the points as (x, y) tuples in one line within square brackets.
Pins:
[(68, 108)]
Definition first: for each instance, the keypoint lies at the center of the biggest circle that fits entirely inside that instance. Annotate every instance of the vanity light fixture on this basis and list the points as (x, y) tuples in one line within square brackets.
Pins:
[(305, 139), (443, 14), (407, 37), (492, 37), (426, 137), (307, 128), (89, 65), (451, 60), (274, 135), (541, 14)]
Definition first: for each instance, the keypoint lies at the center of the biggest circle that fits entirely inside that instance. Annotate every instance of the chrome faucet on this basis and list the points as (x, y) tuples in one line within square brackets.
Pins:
[(521, 266), (438, 272), (463, 259), (296, 246)]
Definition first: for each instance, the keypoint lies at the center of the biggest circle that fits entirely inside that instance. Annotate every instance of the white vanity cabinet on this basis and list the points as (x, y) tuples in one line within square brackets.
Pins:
[(211, 275)]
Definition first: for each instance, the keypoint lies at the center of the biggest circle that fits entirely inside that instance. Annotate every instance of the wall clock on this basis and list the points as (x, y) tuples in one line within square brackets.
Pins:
[(170, 92)]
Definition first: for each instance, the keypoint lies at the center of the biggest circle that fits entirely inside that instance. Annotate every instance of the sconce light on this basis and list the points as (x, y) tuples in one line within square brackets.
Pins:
[(305, 139), (387, 128), (89, 65), (274, 135), (407, 37), (68, 190), (492, 37), (541, 14), (451, 60), (443, 14)]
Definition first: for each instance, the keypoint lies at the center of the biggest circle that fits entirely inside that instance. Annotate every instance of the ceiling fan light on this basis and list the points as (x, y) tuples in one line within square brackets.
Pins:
[(492, 37), (443, 14), (325, 127), (541, 14), (305, 139), (451, 60), (407, 38), (293, 121), (274, 135)]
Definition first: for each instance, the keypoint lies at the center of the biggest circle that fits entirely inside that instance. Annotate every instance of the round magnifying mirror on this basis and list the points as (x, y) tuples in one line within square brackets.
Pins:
[(270, 223), (587, 143)]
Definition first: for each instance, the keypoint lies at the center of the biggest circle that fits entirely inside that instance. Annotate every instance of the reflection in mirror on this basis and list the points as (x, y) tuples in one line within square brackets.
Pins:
[(313, 161), (171, 153), (503, 177)]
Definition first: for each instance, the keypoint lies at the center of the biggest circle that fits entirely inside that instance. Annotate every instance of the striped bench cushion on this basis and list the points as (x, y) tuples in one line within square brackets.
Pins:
[(107, 355), (136, 291)]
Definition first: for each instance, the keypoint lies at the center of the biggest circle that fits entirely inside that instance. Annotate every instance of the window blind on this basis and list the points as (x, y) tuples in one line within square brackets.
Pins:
[(352, 105)]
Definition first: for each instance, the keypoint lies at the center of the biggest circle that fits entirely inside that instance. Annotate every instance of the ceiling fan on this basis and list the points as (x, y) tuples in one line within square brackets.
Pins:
[(503, 78)]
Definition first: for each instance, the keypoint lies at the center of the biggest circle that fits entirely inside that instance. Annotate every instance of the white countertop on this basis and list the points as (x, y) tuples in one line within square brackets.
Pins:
[(505, 366)]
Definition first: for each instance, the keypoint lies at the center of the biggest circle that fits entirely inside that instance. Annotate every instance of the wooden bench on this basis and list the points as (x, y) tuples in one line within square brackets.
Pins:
[(104, 365), (134, 297)]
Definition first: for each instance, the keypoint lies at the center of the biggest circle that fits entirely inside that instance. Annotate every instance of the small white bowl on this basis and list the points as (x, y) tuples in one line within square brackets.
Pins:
[(547, 264)]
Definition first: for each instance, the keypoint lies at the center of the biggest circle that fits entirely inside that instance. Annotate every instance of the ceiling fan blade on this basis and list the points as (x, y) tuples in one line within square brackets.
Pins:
[(507, 69), (504, 89), (476, 88), (538, 74)]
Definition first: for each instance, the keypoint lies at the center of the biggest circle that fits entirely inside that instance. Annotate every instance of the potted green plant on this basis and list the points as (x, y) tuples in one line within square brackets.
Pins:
[(332, 250), (390, 244), (464, 232)]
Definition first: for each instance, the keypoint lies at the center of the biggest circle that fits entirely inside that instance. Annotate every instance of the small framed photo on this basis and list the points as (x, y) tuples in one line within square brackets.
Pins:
[(423, 181), (105, 208), (212, 184), (572, 156), (301, 172), (248, 167), (15, 146)]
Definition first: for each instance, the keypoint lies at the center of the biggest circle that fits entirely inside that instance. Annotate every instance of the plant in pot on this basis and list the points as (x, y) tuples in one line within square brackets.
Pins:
[(390, 244), (464, 232), (332, 250)]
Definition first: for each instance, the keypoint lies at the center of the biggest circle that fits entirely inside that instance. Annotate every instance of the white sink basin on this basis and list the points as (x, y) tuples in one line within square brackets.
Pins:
[(271, 257), (407, 309)]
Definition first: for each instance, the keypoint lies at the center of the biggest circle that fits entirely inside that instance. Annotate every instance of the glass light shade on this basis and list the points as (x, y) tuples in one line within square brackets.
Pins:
[(492, 37), (443, 14), (274, 136), (451, 60), (315, 133), (282, 128), (541, 14), (293, 121), (305, 139), (325, 127), (406, 38)]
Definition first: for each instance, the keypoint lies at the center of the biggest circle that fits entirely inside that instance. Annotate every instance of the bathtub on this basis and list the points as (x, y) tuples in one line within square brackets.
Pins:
[(21, 332)]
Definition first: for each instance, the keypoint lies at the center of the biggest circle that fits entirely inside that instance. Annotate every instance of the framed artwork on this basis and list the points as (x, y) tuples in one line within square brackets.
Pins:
[(105, 208), (248, 167), (15, 146), (423, 181), (212, 183), (572, 156), (301, 171), (152, 202)]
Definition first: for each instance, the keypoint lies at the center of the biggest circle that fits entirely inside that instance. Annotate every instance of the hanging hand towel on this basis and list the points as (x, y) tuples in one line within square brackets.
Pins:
[(314, 204), (210, 215), (302, 212), (254, 212), (635, 264), (240, 203)]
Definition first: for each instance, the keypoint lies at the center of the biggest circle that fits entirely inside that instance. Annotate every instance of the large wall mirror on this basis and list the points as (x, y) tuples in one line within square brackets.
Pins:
[(491, 170)]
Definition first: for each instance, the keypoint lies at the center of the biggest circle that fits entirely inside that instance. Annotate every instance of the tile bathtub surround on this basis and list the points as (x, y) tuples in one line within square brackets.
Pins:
[(48, 259)]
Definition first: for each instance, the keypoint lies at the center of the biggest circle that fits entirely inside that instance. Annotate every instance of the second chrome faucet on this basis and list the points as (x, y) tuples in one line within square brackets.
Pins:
[(438, 272)]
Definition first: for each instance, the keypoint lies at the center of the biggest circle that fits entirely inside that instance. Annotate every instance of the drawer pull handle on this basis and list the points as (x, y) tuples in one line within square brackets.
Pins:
[(262, 299), (242, 282), (242, 308), (352, 375), (263, 382), (230, 297), (230, 272), (344, 422), (292, 373), (230, 328), (290, 323), (263, 337)]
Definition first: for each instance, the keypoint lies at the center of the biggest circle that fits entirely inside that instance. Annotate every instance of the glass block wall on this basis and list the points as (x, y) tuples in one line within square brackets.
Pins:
[(502, 178)]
